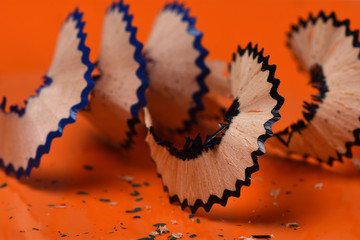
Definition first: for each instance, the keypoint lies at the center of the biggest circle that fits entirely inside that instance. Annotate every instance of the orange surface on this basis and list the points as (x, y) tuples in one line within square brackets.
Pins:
[(28, 35)]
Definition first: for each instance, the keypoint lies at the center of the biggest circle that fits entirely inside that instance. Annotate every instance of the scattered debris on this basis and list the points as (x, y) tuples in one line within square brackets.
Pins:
[(319, 185), (134, 210), (104, 200), (246, 238), (146, 184), (161, 228), (173, 221), (191, 216), (262, 236), (136, 216), (121, 225), (36, 229), (135, 193), (276, 204), (139, 199), (198, 220), (275, 193), (58, 206), (3, 185), (82, 193), (148, 207), (294, 225), (88, 167), (159, 224), (113, 203), (136, 185), (192, 235)]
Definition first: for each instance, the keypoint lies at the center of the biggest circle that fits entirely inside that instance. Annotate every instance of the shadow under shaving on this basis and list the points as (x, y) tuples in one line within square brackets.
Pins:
[(344, 169), (106, 162)]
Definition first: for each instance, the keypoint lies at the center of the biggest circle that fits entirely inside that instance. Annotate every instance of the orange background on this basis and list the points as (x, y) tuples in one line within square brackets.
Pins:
[(28, 35)]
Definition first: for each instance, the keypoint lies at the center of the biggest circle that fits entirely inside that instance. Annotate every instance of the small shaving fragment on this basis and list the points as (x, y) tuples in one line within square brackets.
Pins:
[(192, 235), (3, 185), (318, 186), (173, 221), (177, 235), (275, 193), (246, 238), (163, 229), (113, 203), (154, 233), (58, 206), (356, 162), (276, 204), (128, 179)]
